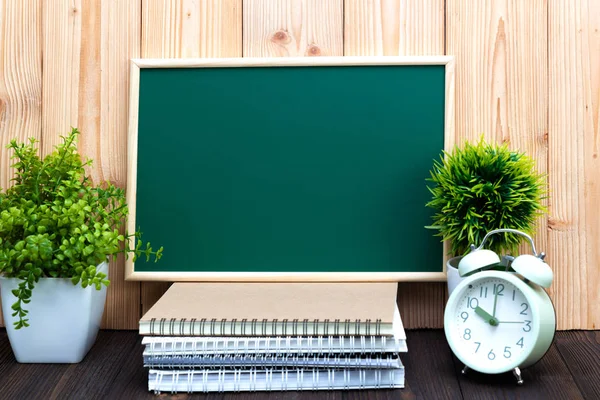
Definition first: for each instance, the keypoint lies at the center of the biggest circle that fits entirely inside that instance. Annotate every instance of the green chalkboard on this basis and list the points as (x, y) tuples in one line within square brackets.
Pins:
[(307, 170)]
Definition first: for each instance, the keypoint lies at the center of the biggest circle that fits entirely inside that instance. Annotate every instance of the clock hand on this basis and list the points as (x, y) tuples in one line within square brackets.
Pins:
[(495, 301), (511, 322), (483, 314), (489, 318)]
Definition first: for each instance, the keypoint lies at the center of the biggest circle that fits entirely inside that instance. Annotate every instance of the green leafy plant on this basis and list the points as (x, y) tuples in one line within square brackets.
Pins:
[(481, 187), (54, 222)]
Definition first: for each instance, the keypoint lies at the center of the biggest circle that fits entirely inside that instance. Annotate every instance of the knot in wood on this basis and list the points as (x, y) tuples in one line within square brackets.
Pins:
[(281, 36), (313, 50)]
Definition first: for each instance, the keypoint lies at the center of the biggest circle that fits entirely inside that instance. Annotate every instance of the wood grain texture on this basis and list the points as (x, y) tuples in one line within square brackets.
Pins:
[(434, 378), (403, 28), (581, 352), (550, 378), (393, 27), (500, 49), (112, 351), (62, 33), (187, 29), (422, 304), (293, 28), (574, 136), (20, 79), (87, 379), (7, 358), (113, 369), (501, 79)]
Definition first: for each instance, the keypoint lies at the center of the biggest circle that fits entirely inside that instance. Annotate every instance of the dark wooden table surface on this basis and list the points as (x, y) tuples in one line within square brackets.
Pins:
[(113, 370)]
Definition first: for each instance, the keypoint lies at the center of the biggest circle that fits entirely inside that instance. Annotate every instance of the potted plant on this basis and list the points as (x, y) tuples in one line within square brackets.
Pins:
[(481, 187), (58, 231)]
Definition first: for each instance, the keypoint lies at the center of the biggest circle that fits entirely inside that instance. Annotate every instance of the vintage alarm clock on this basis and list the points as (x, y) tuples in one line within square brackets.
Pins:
[(499, 317)]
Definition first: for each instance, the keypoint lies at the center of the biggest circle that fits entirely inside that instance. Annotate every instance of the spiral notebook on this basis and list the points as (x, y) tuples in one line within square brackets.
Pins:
[(238, 380), (207, 337), (165, 346), (215, 361), (273, 309)]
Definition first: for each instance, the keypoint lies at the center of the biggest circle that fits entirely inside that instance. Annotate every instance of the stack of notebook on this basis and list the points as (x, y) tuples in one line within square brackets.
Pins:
[(205, 337)]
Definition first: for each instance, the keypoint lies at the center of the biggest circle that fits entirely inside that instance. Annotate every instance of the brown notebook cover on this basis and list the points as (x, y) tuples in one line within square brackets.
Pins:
[(280, 308)]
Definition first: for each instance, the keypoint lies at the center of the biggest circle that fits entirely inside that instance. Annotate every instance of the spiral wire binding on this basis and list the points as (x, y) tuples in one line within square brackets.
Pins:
[(215, 327), (278, 344), (218, 355), (186, 361), (272, 379)]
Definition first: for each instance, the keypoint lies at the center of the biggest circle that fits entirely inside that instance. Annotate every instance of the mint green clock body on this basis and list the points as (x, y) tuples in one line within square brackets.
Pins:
[(496, 321)]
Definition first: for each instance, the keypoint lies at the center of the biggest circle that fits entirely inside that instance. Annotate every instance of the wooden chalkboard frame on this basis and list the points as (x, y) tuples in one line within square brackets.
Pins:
[(138, 64)]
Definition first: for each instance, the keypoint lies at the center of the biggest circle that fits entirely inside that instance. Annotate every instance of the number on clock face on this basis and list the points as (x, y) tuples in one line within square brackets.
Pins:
[(494, 321)]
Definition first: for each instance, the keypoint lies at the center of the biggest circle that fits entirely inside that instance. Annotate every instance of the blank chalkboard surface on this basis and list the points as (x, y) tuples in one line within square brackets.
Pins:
[(287, 169)]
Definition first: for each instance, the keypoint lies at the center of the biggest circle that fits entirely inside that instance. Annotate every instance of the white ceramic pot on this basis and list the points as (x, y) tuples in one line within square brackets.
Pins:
[(452, 273), (64, 320)]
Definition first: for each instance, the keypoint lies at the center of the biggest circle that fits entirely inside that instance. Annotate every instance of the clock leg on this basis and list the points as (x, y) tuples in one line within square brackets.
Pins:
[(464, 370), (517, 374)]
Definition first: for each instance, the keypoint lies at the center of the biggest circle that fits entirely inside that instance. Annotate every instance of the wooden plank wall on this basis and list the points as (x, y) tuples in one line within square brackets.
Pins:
[(20, 78), (573, 163), (528, 73)]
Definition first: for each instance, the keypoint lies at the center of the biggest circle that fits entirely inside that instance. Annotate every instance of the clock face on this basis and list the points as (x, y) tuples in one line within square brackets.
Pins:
[(491, 325)]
